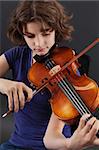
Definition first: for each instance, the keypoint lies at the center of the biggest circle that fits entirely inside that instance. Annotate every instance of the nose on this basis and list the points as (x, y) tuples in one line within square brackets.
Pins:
[(39, 41)]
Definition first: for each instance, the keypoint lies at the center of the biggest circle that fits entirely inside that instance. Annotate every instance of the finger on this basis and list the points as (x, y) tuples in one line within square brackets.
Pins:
[(82, 122), (94, 130), (10, 101), (89, 125), (16, 101), (96, 142), (21, 98), (28, 91)]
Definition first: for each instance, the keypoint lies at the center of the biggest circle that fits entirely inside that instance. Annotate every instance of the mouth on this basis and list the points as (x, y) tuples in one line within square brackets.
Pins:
[(40, 50)]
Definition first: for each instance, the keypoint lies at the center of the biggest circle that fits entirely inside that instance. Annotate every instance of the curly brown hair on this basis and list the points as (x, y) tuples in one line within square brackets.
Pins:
[(50, 12)]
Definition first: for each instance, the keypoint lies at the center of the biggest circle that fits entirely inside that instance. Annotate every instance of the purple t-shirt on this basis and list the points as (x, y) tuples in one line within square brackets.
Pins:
[(31, 122)]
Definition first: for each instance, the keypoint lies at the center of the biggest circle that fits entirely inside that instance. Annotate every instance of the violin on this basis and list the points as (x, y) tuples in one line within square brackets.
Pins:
[(71, 94)]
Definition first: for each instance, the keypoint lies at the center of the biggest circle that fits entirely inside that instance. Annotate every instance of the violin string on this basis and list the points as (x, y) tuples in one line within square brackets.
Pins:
[(63, 88), (72, 97), (62, 84), (69, 96), (80, 101), (76, 96)]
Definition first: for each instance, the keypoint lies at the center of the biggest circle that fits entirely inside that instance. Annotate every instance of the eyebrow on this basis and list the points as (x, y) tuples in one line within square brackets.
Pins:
[(46, 29), (28, 33), (42, 30)]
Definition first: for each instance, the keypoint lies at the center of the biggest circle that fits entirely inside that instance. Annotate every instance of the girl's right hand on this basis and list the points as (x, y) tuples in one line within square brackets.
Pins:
[(15, 92)]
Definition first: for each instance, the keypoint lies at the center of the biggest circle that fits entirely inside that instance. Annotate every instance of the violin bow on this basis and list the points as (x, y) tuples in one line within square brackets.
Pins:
[(63, 68)]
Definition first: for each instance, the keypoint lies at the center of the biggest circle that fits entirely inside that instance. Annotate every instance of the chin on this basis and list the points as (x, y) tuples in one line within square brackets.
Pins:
[(41, 54)]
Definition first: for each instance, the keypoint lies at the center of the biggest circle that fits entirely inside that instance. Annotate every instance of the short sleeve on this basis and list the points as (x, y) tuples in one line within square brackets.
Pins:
[(11, 55)]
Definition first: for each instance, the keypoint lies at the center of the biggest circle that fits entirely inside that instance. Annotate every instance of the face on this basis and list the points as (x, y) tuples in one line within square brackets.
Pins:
[(38, 39)]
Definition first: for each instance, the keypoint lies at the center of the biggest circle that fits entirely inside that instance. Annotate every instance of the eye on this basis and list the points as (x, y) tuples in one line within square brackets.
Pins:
[(45, 33), (29, 35)]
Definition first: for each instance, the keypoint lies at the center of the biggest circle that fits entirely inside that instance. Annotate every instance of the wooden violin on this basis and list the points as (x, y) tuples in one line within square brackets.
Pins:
[(71, 94)]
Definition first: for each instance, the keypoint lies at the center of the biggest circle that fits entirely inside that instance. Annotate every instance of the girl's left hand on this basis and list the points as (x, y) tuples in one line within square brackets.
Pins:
[(85, 135)]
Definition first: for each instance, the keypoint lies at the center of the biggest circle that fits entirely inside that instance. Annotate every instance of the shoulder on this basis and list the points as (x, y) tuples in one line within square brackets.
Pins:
[(62, 49), (17, 51), (65, 48), (16, 54)]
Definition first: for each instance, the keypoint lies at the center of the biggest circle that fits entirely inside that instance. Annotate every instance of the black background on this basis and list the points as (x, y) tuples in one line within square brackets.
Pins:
[(86, 23)]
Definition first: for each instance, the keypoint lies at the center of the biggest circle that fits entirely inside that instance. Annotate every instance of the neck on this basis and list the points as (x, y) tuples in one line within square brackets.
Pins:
[(41, 59)]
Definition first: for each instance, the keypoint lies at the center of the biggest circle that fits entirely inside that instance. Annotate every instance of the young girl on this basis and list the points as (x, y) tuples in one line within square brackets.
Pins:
[(36, 27)]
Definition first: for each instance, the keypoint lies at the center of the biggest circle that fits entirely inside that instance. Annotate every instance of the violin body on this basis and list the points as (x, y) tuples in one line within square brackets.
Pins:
[(85, 87)]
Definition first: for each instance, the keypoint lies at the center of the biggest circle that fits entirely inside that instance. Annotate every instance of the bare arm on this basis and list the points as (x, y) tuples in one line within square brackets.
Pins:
[(4, 67), (84, 136), (14, 90), (54, 139)]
